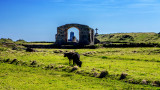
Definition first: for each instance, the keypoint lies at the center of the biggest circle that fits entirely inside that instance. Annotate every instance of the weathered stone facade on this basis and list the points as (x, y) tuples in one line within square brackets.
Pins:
[(86, 34)]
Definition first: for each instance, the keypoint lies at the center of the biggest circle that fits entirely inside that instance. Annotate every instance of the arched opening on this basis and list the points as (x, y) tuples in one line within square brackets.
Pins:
[(73, 35)]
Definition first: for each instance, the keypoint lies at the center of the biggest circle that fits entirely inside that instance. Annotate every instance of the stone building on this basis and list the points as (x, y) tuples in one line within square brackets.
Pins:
[(71, 36), (86, 34)]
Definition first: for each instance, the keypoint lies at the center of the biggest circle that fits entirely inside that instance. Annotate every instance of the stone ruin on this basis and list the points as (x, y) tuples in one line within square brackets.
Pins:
[(86, 34)]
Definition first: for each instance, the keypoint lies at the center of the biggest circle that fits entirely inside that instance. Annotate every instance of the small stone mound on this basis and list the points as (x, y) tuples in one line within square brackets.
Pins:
[(23, 62), (61, 66), (14, 60), (68, 68), (74, 68), (110, 36), (133, 81), (156, 83), (134, 51), (123, 76), (124, 37), (95, 74), (7, 60), (30, 50), (144, 82), (89, 53), (49, 66), (78, 72), (93, 70), (59, 51), (33, 62), (14, 48), (103, 74), (66, 51)]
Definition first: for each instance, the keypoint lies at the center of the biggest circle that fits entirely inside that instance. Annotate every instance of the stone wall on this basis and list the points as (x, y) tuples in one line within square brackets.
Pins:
[(86, 34)]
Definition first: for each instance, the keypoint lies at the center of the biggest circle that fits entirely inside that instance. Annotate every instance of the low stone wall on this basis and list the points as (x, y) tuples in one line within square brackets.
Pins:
[(61, 46)]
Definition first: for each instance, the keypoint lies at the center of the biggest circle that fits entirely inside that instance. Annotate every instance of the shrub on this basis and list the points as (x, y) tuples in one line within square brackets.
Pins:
[(20, 41), (6, 40)]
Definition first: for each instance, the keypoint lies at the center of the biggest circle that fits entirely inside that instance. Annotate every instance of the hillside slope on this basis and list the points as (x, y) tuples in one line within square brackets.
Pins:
[(130, 37)]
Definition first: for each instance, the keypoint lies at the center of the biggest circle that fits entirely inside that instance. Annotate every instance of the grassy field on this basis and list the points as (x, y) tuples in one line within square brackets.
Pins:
[(138, 63), (21, 77)]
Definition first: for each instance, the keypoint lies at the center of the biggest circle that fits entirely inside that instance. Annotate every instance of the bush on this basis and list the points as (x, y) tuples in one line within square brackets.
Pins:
[(6, 40), (20, 41)]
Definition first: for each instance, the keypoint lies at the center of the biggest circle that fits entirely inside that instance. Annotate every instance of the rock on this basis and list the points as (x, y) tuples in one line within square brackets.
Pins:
[(144, 82), (74, 68), (156, 83), (123, 76), (33, 62), (103, 74), (30, 50), (14, 60), (95, 74)]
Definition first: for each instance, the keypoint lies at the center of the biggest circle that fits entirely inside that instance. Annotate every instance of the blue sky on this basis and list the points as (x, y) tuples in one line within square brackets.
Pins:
[(37, 20)]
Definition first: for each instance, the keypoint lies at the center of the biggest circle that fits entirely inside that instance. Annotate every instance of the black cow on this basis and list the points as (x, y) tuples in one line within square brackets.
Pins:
[(75, 56)]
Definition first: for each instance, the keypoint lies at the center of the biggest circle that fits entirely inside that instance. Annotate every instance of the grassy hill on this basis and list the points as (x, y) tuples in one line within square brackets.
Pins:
[(130, 37)]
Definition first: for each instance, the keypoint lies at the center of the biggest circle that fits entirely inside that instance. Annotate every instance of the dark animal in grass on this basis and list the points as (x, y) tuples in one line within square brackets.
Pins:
[(30, 50), (75, 57)]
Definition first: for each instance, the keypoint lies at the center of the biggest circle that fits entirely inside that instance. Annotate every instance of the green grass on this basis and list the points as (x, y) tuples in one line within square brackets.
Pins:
[(139, 63), (132, 37), (31, 43), (24, 78)]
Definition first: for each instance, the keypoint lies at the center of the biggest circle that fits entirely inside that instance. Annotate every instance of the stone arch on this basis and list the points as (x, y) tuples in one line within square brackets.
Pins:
[(78, 32), (86, 34)]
